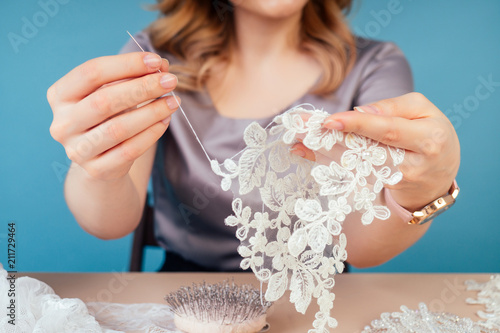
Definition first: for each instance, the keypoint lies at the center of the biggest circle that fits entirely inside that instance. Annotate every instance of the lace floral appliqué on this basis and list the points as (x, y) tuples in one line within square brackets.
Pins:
[(289, 211), (425, 321), (489, 296)]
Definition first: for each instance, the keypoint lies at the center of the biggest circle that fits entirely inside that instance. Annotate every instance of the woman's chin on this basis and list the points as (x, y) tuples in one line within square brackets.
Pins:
[(272, 9)]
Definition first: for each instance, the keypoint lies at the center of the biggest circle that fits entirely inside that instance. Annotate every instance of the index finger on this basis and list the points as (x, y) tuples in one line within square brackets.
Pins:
[(410, 106), (91, 75), (393, 131)]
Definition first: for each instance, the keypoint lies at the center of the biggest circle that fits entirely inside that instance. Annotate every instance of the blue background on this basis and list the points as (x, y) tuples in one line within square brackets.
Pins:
[(449, 44)]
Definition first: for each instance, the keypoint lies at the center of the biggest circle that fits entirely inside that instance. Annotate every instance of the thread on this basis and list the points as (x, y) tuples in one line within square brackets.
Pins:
[(180, 107), (187, 119), (262, 302)]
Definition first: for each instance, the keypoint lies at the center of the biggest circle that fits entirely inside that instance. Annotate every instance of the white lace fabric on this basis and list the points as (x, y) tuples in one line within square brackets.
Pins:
[(142, 317), (424, 321), (40, 310), (289, 211), (489, 296)]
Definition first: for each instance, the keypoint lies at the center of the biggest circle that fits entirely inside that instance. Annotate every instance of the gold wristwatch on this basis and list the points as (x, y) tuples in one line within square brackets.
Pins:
[(429, 212)]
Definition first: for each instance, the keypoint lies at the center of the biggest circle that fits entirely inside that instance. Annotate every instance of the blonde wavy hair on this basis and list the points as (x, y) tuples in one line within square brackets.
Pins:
[(200, 33)]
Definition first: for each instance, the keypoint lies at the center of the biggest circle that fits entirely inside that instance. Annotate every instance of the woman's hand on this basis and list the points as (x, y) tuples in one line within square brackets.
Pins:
[(89, 102), (411, 122)]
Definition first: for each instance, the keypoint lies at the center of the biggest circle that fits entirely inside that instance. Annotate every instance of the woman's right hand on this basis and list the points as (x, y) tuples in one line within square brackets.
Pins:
[(89, 102)]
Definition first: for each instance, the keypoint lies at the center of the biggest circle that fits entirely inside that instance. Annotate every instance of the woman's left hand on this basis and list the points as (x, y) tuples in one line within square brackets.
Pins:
[(411, 122)]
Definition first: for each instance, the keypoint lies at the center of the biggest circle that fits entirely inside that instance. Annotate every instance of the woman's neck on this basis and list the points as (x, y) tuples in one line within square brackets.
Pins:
[(259, 38), (266, 72)]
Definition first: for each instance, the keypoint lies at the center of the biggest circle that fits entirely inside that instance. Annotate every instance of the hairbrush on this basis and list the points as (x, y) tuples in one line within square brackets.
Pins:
[(219, 308)]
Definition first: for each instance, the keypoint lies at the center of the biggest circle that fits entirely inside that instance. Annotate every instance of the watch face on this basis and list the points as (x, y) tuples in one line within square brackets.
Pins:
[(436, 213)]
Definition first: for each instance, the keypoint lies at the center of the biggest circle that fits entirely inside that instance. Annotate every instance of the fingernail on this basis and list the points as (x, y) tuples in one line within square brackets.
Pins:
[(367, 109), (168, 81), (298, 152), (152, 60), (166, 61), (334, 124), (166, 121), (172, 103)]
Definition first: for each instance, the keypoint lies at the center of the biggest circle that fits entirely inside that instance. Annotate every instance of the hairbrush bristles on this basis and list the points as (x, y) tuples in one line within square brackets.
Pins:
[(218, 308)]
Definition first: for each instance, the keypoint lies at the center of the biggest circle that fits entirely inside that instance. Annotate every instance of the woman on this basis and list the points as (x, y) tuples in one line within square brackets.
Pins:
[(237, 62)]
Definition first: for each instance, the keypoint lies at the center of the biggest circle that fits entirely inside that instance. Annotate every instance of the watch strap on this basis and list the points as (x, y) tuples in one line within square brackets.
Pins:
[(402, 212)]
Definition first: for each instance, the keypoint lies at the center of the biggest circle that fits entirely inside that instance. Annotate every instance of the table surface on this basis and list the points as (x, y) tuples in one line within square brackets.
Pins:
[(360, 298)]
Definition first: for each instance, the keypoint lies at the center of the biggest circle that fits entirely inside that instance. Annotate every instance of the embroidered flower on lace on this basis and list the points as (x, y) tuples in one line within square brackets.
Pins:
[(424, 321), (289, 211)]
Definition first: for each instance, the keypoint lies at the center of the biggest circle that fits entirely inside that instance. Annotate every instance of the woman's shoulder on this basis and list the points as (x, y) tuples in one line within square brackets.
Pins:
[(379, 56), (381, 71), (370, 49)]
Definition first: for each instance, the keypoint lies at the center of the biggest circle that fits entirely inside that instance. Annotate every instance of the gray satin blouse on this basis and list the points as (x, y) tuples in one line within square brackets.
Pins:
[(189, 205)]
